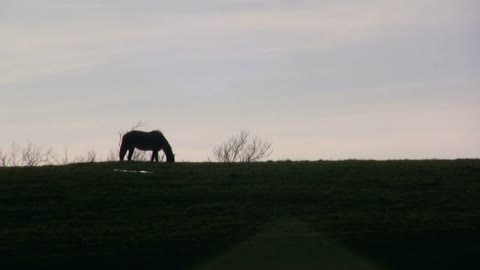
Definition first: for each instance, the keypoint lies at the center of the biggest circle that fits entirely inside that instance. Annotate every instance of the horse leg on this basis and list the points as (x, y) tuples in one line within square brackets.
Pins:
[(155, 155), (123, 151), (122, 154), (130, 153)]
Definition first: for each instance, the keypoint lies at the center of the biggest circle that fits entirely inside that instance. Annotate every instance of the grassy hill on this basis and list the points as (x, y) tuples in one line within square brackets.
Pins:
[(273, 215)]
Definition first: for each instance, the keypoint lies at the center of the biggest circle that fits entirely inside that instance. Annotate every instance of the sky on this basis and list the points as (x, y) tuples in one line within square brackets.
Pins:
[(373, 79)]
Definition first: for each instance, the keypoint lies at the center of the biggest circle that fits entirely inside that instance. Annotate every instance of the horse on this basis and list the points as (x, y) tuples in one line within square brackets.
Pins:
[(142, 140)]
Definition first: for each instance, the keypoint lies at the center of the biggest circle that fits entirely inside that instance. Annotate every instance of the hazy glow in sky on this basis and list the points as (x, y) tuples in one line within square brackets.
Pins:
[(319, 79)]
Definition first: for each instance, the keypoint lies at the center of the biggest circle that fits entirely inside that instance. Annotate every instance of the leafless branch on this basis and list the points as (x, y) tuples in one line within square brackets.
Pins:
[(240, 148), (3, 159), (50, 157), (139, 155), (113, 155), (65, 156), (14, 155), (32, 155), (91, 156)]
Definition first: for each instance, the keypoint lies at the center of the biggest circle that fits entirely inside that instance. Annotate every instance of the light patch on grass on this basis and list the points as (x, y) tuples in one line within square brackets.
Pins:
[(130, 171), (289, 244)]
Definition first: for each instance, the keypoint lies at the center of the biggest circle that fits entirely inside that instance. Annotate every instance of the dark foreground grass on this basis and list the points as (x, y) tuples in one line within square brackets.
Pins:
[(274, 215)]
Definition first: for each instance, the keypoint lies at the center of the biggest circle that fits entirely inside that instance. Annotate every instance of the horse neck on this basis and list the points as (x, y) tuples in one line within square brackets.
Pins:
[(168, 152)]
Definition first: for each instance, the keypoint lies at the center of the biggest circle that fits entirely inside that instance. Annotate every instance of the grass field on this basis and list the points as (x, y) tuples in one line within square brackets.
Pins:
[(272, 215)]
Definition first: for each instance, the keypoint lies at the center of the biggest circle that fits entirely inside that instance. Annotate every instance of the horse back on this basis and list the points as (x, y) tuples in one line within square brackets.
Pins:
[(142, 140)]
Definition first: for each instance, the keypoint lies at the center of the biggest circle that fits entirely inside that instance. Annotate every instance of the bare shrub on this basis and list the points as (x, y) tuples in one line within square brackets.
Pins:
[(35, 155), (65, 159), (255, 150), (242, 148), (78, 159), (3, 159), (50, 157), (91, 156), (32, 155), (14, 159), (113, 155)]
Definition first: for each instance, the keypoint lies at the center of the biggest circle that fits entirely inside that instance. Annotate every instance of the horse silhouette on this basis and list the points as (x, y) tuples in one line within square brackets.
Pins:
[(147, 141)]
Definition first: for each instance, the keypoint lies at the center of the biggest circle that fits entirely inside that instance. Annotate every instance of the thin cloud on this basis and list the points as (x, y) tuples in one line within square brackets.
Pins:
[(74, 4), (33, 51)]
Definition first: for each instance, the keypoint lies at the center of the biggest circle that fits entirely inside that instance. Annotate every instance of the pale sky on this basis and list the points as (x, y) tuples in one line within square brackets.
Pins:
[(318, 79)]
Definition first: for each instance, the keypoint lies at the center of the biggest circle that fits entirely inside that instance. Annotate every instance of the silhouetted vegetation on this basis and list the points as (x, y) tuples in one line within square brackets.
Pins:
[(32, 155), (242, 148)]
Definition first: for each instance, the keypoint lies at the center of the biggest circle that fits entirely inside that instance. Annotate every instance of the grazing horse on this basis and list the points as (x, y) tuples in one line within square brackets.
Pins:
[(153, 140)]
